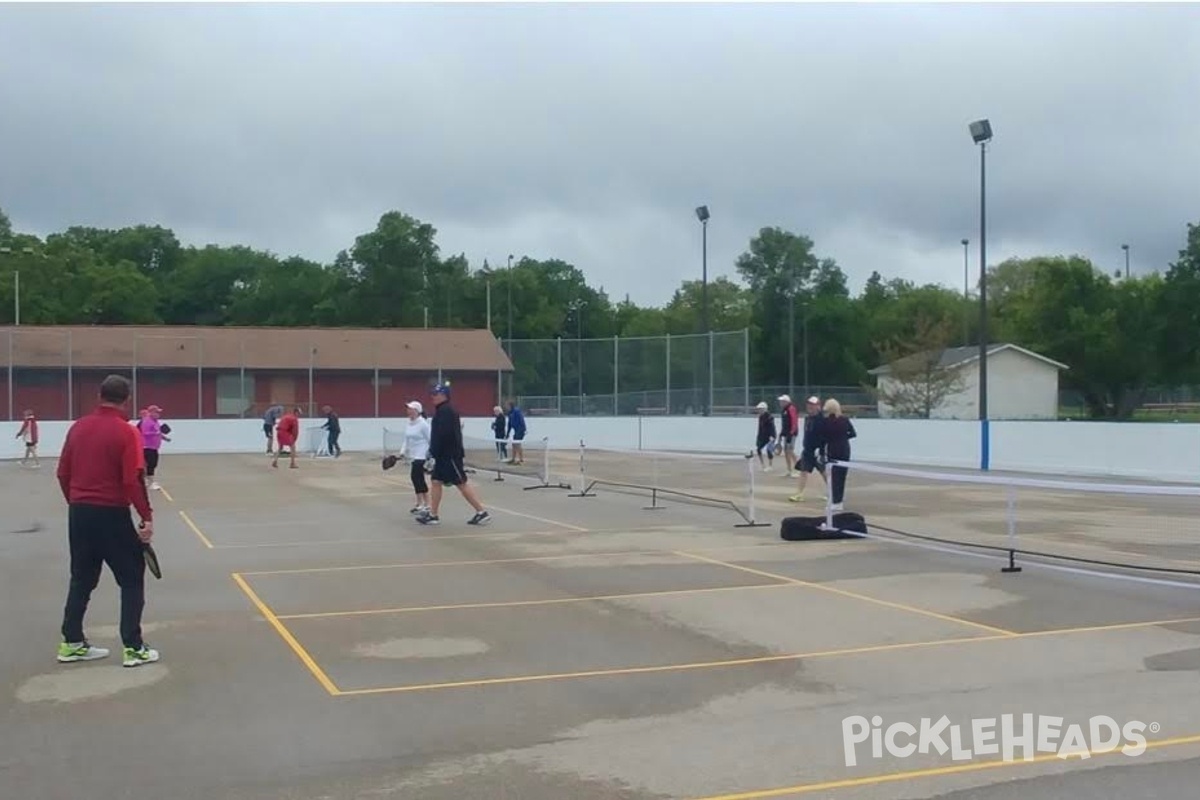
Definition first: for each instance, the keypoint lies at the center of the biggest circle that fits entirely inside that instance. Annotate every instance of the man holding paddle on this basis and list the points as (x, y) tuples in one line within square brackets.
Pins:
[(99, 473)]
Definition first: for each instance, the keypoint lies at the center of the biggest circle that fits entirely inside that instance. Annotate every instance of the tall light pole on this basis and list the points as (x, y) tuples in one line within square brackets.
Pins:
[(966, 245), (1125, 247), (981, 134), (576, 306), (8, 251), (791, 294), (703, 215), (510, 309)]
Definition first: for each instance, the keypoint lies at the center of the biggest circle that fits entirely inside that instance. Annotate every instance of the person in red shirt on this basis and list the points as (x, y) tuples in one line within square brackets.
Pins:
[(287, 433), (99, 472), (29, 431)]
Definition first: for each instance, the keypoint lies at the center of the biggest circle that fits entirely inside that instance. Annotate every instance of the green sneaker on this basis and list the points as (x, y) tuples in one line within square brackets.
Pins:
[(796, 498), (70, 652), (136, 657)]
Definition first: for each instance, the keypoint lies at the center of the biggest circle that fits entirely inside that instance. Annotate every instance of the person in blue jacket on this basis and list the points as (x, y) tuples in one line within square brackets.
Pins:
[(516, 430)]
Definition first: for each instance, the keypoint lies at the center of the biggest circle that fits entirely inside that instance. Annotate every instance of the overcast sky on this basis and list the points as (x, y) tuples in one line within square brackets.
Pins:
[(590, 133)]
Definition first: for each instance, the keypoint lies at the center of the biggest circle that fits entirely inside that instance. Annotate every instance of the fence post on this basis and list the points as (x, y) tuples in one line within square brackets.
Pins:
[(10, 375), (199, 377), (746, 366), (616, 371), (312, 355), (242, 374), (558, 401), (709, 404), (668, 373), (136, 340), (70, 376)]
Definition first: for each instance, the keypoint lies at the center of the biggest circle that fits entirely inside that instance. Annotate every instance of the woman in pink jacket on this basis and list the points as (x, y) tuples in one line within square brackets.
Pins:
[(154, 433)]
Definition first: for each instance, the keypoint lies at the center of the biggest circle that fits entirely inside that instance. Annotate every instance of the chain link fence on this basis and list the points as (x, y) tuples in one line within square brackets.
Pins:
[(621, 376)]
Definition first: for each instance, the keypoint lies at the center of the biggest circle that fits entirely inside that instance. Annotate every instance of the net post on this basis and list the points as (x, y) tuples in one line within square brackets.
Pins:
[(1010, 515), (500, 457), (546, 483), (751, 519), (584, 487), (654, 506)]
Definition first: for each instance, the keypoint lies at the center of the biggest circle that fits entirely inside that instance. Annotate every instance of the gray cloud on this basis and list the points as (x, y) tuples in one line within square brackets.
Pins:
[(590, 133)]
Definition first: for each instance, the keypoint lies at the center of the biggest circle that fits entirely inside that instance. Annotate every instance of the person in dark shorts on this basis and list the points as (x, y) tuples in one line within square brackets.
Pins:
[(334, 425), (765, 442), (789, 427), (810, 445), (839, 430), (500, 431), (100, 477), (516, 429), (269, 419), (446, 452)]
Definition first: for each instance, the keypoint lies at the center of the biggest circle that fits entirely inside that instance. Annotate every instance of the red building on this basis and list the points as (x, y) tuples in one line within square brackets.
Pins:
[(208, 373)]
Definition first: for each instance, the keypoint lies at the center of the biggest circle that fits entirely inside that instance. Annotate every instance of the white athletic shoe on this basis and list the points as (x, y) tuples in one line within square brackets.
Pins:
[(136, 658), (154, 487), (837, 507), (79, 651)]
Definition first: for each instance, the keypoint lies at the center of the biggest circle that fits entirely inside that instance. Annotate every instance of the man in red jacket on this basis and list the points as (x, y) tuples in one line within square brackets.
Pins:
[(288, 433), (98, 471)]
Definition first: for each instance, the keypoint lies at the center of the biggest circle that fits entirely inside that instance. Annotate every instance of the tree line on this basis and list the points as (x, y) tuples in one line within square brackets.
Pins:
[(1119, 336)]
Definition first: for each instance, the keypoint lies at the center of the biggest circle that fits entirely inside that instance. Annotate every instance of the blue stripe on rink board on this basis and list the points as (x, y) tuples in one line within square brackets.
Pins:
[(984, 444)]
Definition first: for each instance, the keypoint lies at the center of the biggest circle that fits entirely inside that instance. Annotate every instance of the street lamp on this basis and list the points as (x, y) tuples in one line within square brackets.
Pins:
[(576, 307), (1125, 247), (703, 215), (981, 134), (8, 251), (966, 243)]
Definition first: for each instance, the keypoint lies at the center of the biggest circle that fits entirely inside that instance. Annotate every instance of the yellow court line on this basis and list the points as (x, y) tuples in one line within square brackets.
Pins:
[(851, 651), (163, 491), (855, 595), (933, 772), (287, 637), (733, 662), (520, 603), (325, 543), (1118, 626), (196, 530), (469, 563)]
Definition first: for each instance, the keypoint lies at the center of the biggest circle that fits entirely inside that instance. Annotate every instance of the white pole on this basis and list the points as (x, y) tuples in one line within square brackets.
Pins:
[(376, 379), (558, 401), (17, 297)]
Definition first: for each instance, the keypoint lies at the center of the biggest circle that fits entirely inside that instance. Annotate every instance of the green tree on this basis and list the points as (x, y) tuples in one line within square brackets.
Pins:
[(1073, 313), (390, 266), (5, 226), (1180, 344)]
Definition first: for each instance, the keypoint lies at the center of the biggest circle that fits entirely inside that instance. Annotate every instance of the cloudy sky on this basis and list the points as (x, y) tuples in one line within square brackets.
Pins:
[(590, 133)]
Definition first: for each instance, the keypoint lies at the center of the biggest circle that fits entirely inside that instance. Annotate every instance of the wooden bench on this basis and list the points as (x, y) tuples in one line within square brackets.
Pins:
[(648, 412), (542, 412)]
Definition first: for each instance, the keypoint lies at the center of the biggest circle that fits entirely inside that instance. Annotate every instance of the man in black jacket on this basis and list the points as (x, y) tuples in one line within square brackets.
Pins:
[(811, 445), (447, 454)]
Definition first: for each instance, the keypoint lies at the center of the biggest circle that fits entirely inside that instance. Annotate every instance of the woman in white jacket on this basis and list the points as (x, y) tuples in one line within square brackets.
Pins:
[(416, 450)]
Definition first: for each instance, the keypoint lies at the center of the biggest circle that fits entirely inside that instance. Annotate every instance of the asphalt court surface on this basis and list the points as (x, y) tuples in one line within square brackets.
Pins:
[(317, 642)]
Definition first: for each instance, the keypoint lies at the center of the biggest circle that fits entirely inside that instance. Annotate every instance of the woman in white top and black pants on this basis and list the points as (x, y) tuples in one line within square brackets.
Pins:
[(416, 449)]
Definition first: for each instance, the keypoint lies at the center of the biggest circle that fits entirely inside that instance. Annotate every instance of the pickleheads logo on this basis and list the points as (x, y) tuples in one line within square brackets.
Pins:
[(1030, 735)]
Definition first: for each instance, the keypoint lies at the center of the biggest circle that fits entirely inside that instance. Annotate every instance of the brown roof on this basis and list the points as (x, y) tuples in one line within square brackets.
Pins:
[(253, 348)]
